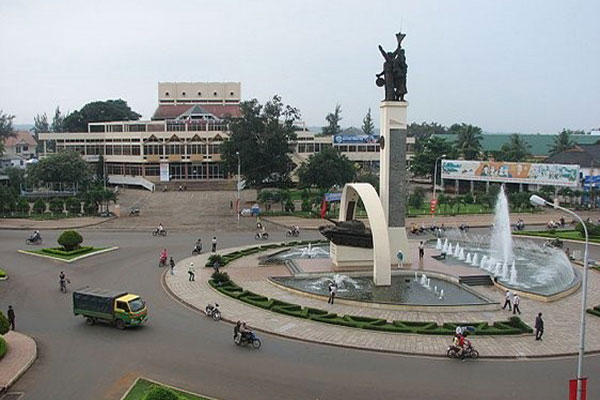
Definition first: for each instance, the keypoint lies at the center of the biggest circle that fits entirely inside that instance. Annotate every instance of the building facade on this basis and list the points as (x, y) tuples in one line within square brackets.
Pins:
[(182, 140), (18, 150)]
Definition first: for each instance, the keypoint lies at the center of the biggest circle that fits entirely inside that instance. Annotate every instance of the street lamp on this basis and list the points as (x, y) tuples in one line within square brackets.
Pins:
[(540, 202), (435, 172), (237, 153)]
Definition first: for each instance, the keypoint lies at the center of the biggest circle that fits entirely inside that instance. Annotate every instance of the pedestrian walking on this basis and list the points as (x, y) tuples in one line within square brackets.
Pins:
[(172, 264), (421, 250), (214, 244), (11, 317), (216, 266), (539, 327), (507, 300), (192, 272), (516, 302), (332, 292)]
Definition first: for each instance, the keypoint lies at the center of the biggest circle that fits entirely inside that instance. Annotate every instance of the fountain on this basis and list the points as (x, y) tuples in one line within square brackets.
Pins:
[(445, 247), (423, 279), (474, 263), (513, 274), (483, 262), (498, 269), (456, 250), (468, 258), (501, 236), (449, 248), (504, 273), (438, 244), (461, 254), (416, 277), (441, 294)]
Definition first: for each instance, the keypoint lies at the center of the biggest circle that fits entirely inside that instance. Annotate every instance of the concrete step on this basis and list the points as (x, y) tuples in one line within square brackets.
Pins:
[(476, 280)]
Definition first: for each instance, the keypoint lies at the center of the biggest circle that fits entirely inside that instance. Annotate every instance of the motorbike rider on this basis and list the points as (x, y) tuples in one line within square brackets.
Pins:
[(245, 331), (236, 332), (160, 228), (297, 230), (163, 256), (198, 245), (35, 236)]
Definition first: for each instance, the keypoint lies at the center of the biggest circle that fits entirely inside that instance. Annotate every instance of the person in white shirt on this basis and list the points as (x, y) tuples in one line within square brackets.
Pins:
[(508, 300), (516, 302)]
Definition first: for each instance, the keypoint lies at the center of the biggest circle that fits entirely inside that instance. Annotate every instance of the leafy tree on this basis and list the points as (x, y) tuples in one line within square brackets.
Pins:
[(416, 199), (333, 119), (39, 206), (423, 164), (70, 240), (266, 198), (40, 124), (562, 142), (22, 206), (425, 129), (6, 128), (57, 206), (368, 127), (442, 200), (73, 205), (7, 201), (66, 167), (515, 150), (97, 196), (16, 177), (468, 142), (368, 177), (326, 168), (99, 111), (163, 393), (58, 121), (261, 137)]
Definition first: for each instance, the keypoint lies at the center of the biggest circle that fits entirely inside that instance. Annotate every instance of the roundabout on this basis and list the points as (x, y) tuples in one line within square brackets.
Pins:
[(182, 347)]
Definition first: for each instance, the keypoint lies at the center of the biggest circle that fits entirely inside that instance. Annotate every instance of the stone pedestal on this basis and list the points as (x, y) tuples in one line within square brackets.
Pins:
[(393, 175), (345, 257)]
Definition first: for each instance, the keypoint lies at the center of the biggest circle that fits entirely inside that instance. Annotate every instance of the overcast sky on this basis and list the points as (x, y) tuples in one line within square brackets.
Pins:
[(507, 66)]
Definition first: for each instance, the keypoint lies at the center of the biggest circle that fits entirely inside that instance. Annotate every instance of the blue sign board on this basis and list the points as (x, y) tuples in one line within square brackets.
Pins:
[(333, 196), (591, 182), (344, 139)]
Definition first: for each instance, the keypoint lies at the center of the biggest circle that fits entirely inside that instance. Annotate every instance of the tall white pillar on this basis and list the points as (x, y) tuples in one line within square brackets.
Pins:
[(393, 175)]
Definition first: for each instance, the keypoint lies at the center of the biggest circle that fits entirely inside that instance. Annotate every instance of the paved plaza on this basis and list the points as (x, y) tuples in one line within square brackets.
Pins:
[(561, 317)]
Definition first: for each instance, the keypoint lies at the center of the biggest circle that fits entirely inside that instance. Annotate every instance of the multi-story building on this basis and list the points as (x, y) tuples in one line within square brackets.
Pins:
[(181, 142)]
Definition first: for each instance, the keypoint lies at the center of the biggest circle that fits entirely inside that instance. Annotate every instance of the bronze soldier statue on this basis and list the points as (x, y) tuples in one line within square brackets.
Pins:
[(394, 72)]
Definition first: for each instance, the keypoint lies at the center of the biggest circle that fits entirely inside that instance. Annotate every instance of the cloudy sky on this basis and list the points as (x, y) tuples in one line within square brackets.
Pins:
[(507, 66)]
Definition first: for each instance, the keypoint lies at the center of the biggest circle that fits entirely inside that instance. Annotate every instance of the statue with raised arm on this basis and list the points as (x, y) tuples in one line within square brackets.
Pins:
[(393, 76)]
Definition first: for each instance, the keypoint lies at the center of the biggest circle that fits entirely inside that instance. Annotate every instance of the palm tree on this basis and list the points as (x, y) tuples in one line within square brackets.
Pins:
[(562, 142), (468, 141), (516, 149)]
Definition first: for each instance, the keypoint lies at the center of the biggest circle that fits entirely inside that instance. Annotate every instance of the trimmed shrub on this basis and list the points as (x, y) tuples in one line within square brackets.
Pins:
[(22, 206), (3, 347), (73, 205), (59, 251), (289, 206), (593, 229), (39, 207), (70, 240), (161, 393), (90, 208), (306, 206), (2, 273), (57, 206), (4, 324), (213, 258), (220, 277)]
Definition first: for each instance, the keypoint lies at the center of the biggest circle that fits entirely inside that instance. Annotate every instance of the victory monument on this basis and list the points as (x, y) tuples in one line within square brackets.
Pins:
[(386, 212)]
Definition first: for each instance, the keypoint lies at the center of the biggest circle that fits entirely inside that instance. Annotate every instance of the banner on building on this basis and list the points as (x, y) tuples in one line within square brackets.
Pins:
[(164, 172), (333, 196), (511, 172), (348, 139)]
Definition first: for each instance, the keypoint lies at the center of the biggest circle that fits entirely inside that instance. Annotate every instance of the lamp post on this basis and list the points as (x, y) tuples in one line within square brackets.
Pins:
[(237, 153), (435, 172), (540, 202)]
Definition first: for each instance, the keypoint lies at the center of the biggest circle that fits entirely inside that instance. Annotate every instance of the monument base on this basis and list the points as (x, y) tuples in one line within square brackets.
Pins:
[(350, 257), (399, 242)]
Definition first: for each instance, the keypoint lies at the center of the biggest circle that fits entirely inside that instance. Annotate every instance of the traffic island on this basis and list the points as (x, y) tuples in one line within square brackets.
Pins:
[(3, 275), (59, 254), (145, 389)]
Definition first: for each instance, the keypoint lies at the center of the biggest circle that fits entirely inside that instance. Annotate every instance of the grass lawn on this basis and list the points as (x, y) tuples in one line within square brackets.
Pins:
[(91, 250), (138, 392), (569, 235)]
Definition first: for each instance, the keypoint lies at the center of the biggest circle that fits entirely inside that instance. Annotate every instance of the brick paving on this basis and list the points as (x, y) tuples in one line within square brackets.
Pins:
[(22, 352), (561, 318)]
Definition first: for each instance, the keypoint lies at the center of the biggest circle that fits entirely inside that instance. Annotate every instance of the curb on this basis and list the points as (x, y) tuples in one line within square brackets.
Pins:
[(24, 368), (15, 228), (185, 303), (71, 260)]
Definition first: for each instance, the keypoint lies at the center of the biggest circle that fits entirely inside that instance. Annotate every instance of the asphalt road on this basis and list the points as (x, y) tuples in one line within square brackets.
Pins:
[(183, 348)]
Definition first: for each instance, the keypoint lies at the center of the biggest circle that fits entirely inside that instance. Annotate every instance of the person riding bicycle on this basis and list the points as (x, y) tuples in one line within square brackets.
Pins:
[(296, 229), (35, 236), (160, 228)]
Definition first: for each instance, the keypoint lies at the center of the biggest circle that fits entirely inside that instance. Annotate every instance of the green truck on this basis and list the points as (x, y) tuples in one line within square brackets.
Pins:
[(115, 307)]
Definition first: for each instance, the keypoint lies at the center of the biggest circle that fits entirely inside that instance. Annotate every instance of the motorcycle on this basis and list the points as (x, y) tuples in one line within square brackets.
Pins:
[(34, 240), (464, 228), (292, 233), (162, 262), (157, 232), (261, 235), (213, 311), (468, 352), (554, 243), (197, 250), (249, 339)]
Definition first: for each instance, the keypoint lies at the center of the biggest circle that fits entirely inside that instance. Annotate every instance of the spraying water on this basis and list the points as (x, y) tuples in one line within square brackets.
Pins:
[(502, 245)]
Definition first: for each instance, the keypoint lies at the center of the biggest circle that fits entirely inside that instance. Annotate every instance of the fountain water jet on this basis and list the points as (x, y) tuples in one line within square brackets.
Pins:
[(438, 244), (475, 261), (513, 274), (501, 244), (468, 258)]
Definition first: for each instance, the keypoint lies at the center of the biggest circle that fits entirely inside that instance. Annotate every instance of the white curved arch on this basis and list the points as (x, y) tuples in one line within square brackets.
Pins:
[(382, 267)]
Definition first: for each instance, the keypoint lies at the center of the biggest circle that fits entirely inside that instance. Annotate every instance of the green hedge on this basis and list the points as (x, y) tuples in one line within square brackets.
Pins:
[(60, 252), (229, 257), (513, 326), (2, 273), (594, 311), (3, 347)]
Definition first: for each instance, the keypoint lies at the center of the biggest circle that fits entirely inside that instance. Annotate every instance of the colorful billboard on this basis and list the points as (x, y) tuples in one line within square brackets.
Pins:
[(349, 139), (511, 172)]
